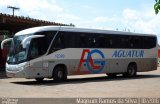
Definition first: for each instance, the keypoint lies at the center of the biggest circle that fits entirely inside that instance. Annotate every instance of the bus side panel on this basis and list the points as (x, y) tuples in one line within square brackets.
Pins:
[(37, 69), (117, 65), (146, 64), (76, 61)]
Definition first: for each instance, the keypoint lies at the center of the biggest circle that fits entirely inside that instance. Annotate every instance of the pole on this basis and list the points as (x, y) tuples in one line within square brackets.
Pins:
[(13, 8)]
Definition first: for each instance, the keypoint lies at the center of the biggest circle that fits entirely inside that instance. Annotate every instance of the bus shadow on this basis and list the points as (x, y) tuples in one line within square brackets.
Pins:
[(84, 80)]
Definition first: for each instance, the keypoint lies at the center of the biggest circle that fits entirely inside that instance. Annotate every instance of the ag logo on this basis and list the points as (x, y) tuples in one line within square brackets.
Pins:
[(95, 65)]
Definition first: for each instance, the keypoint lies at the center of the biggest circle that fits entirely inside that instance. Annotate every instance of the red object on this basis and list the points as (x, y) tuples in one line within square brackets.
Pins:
[(158, 53), (82, 60), (3, 57)]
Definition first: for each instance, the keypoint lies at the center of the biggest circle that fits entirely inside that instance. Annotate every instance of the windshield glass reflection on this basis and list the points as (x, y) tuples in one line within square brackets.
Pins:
[(17, 52)]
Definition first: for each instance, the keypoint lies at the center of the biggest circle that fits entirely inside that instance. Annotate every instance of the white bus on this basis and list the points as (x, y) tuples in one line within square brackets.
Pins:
[(56, 52)]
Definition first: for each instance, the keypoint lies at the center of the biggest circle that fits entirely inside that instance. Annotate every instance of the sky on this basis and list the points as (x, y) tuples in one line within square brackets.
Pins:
[(122, 15)]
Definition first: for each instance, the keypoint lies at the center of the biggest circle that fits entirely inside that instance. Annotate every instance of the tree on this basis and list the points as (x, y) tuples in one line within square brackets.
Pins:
[(71, 24), (157, 6)]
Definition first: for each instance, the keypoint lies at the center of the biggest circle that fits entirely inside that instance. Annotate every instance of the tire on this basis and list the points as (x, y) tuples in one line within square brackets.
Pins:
[(131, 71), (112, 75), (59, 74), (39, 79)]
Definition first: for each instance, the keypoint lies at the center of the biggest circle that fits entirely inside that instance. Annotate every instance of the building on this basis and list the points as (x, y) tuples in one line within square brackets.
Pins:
[(10, 24)]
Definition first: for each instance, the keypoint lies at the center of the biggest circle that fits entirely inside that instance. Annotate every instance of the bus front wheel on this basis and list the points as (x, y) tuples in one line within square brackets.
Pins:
[(131, 71), (60, 74)]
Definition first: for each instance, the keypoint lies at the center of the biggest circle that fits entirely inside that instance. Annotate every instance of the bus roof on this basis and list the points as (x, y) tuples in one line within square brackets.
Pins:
[(73, 29)]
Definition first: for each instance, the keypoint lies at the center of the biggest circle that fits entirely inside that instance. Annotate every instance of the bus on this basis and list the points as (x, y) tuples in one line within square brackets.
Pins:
[(57, 52)]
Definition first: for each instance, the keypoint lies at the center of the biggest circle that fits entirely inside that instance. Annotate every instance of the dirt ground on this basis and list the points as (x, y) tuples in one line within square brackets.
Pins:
[(144, 85)]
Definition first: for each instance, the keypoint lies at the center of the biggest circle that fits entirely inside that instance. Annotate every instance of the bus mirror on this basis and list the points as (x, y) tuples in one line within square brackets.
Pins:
[(28, 39), (5, 41)]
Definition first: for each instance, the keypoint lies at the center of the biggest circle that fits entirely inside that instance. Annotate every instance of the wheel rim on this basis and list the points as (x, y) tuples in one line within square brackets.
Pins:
[(60, 74), (131, 71)]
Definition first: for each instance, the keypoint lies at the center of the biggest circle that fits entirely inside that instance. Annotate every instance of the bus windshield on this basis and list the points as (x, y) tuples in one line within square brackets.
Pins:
[(30, 46), (17, 52)]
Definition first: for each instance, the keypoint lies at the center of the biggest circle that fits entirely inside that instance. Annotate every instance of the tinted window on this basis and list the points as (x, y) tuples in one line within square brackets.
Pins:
[(135, 42), (130, 42), (149, 42), (37, 48), (64, 40), (83, 41), (101, 41), (91, 40), (49, 35)]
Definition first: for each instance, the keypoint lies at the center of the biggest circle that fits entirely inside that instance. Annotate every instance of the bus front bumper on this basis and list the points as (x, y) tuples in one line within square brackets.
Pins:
[(17, 71)]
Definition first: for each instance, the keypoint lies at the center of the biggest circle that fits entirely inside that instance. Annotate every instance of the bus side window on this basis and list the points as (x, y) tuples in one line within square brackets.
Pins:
[(72, 40), (108, 42), (93, 41), (131, 42), (83, 41), (37, 48), (59, 42), (124, 42), (62, 40), (101, 42), (117, 42), (111, 42), (34, 49), (137, 42), (149, 42)]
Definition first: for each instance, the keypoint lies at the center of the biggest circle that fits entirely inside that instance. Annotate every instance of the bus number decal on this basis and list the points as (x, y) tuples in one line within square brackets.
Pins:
[(93, 65), (60, 56)]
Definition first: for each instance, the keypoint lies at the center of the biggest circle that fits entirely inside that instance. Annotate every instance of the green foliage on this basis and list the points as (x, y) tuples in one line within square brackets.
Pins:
[(157, 6), (71, 24)]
